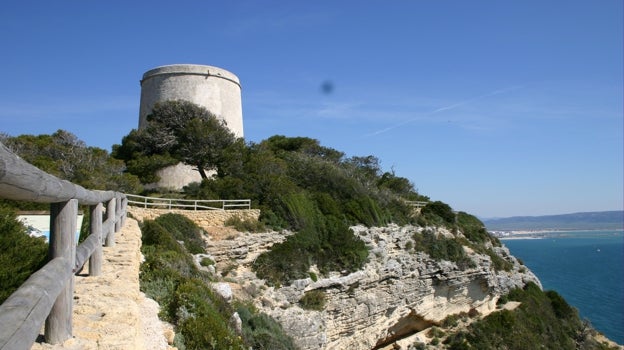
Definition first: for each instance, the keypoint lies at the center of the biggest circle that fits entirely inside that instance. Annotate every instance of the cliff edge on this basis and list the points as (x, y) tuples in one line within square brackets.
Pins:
[(398, 294)]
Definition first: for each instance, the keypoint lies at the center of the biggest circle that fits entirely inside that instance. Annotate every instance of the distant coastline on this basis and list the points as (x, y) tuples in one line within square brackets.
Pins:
[(603, 220), (546, 233)]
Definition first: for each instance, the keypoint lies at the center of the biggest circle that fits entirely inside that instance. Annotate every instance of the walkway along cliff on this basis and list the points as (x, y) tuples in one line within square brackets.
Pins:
[(47, 296)]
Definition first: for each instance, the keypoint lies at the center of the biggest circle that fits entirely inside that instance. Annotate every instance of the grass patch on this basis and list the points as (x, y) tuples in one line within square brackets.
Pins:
[(313, 300), (206, 262), (247, 225)]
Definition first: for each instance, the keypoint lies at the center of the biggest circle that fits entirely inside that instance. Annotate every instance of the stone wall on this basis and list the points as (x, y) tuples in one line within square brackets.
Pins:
[(203, 218)]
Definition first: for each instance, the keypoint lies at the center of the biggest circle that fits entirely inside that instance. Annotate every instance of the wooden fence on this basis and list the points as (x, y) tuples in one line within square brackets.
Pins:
[(188, 204), (47, 295), (416, 204)]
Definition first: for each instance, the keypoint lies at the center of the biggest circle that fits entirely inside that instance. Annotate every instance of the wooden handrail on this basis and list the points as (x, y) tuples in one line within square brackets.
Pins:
[(417, 204), (47, 295), (189, 204)]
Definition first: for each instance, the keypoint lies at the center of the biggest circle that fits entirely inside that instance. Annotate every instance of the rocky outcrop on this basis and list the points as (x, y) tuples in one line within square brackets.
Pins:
[(242, 248), (398, 293)]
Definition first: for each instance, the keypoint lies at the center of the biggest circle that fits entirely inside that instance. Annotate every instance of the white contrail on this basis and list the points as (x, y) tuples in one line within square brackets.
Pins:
[(446, 108)]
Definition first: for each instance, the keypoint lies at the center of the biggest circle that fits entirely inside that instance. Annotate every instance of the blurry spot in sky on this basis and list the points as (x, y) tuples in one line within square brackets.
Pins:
[(327, 87)]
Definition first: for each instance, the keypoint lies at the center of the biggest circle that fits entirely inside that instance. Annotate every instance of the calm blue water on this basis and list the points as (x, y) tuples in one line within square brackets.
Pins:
[(587, 268), (46, 234)]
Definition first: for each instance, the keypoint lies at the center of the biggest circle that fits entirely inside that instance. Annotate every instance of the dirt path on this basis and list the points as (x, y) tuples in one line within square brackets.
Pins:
[(110, 312)]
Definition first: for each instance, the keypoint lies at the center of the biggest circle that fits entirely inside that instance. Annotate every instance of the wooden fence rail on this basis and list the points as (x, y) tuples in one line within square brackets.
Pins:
[(416, 204), (188, 204), (47, 295)]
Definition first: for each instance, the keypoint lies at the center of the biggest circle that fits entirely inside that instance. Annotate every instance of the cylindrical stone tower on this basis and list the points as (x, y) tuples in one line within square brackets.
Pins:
[(213, 88)]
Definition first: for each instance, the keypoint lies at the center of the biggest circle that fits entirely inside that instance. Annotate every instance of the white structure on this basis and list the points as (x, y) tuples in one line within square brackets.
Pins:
[(213, 88)]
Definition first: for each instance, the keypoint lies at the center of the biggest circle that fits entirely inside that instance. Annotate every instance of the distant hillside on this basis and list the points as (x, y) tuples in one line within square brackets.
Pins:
[(578, 221)]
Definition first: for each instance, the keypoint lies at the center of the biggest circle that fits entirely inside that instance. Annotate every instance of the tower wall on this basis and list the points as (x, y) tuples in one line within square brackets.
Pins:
[(213, 88)]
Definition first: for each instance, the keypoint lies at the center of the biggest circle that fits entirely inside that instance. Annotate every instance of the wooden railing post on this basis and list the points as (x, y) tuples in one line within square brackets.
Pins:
[(110, 215), (117, 211), (63, 215), (124, 208), (95, 226)]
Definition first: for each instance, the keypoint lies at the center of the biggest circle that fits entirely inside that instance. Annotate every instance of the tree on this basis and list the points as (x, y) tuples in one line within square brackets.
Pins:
[(20, 254), (63, 155), (178, 131)]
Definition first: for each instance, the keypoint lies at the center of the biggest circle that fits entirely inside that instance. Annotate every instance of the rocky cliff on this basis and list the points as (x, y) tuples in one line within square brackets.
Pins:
[(399, 292)]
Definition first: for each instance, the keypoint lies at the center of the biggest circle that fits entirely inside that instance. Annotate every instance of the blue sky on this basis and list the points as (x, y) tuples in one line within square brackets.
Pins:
[(499, 108)]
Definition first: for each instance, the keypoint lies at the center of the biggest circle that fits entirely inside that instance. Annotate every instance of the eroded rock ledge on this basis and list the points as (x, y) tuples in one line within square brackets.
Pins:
[(398, 292)]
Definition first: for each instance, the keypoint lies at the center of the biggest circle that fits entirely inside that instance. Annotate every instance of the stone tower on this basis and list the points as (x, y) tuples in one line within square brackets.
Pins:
[(213, 88)]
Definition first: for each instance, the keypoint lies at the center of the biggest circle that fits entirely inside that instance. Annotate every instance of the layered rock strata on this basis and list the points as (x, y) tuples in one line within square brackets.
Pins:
[(398, 293)]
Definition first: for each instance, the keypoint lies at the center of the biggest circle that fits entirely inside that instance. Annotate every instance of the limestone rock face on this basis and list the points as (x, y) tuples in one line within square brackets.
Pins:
[(398, 293), (243, 247)]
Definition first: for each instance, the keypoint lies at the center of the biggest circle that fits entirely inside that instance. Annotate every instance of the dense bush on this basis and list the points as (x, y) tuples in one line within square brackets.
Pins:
[(247, 225), (441, 248), (437, 214), (313, 300), (474, 229), (262, 332), (323, 240), (543, 318), (169, 276), (185, 230), (65, 156), (20, 254)]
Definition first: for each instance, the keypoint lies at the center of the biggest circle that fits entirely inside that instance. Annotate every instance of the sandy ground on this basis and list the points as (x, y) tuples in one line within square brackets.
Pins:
[(110, 312)]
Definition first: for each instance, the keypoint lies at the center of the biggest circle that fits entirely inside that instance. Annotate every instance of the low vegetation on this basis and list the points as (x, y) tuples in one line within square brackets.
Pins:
[(247, 225), (313, 300), (20, 254), (543, 318), (467, 231), (201, 317), (442, 248)]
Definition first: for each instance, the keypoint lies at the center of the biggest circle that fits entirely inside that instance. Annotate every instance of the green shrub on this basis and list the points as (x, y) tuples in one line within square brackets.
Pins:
[(313, 277), (245, 225), (313, 300), (263, 332), (542, 318), (499, 263), (206, 262), (20, 254), (203, 318), (451, 321), (185, 230), (154, 234), (435, 332), (441, 248), (326, 242), (437, 214)]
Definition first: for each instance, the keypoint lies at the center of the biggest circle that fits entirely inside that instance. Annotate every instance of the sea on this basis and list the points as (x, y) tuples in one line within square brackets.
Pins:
[(586, 268)]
